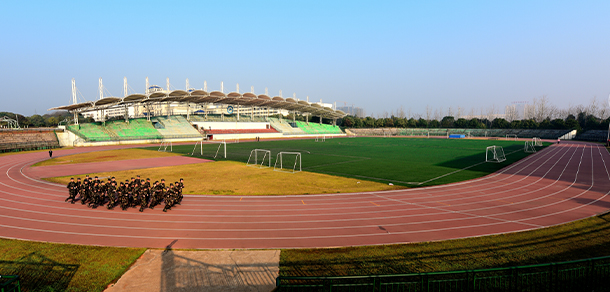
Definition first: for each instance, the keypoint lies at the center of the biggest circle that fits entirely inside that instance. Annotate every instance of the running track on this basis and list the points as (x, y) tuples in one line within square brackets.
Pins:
[(560, 184)]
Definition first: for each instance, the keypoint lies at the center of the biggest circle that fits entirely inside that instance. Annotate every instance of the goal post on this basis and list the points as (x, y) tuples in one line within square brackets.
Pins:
[(164, 145), (511, 137), (258, 157), (494, 154), (288, 162), (537, 141), (529, 147), (321, 138), (221, 145)]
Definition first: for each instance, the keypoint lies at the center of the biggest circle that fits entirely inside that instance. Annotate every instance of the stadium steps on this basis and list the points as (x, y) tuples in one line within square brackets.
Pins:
[(283, 127), (175, 127)]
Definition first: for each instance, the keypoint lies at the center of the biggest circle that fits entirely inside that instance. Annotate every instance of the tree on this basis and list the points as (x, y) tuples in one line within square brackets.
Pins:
[(380, 123), (435, 124), (515, 124), (421, 123), (546, 124), (447, 122), (388, 122), (461, 123), (412, 123), (347, 122), (51, 122), (500, 123), (572, 124), (558, 124), (37, 121), (402, 123)]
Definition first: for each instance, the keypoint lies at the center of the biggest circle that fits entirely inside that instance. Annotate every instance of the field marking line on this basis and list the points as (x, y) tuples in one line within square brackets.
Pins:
[(374, 204), (336, 163), (456, 171), (465, 213)]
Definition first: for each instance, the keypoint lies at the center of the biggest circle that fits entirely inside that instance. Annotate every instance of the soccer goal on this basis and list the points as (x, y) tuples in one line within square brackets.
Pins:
[(537, 141), (164, 145), (529, 147), (511, 137), (259, 157), (494, 154), (289, 162), (221, 145), (321, 138)]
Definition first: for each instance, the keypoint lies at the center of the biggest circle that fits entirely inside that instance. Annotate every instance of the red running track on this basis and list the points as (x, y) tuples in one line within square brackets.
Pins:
[(559, 184)]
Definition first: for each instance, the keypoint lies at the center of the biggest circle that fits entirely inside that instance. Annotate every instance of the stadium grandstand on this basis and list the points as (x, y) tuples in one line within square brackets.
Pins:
[(192, 114), (27, 139), (593, 136), (475, 133)]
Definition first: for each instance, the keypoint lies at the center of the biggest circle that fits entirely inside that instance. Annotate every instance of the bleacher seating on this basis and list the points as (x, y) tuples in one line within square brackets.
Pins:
[(499, 133), (174, 127), (317, 128), (239, 131), (593, 136), (27, 139), (117, 130), (284, 127)]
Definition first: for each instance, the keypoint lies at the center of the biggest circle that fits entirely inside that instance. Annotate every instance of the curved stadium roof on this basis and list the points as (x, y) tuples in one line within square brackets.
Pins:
[(201, 96)]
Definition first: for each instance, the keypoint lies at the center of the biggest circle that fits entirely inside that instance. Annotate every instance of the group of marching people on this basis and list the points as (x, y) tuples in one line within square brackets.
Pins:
[(137, 192)]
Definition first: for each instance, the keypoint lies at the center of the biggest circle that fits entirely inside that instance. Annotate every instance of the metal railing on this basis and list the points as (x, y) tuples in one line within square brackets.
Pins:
[(581, 275), (10, 283)]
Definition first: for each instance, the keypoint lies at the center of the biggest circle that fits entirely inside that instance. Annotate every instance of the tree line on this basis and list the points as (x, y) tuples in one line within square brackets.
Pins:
[(582, 121), (46, 120)]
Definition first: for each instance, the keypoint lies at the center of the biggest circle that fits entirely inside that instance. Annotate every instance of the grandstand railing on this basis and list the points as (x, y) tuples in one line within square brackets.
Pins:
[(10, 283), (580, 275), (132, 138)]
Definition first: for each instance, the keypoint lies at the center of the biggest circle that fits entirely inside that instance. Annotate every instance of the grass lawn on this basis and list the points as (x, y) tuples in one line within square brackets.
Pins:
[(234, 178), (64, 267), (108, 155), (577, 240), (401, 161)]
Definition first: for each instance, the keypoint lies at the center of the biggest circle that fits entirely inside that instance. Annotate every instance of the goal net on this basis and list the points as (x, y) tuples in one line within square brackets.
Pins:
[(320, 138), (529, 147), (164, 145), (537, 141), (494, 154), (210, 149), (288, 161), (511, 137), (259, 157)]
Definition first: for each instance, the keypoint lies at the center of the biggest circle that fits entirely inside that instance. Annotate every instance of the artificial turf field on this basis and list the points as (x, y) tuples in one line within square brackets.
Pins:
[(401, 161)]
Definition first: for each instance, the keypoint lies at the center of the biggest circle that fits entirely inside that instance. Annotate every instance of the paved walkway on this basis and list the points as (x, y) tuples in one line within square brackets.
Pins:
[(211, 271)]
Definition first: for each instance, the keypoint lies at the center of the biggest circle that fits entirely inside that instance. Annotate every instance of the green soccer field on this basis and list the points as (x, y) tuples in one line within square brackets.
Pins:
[(401, 161)]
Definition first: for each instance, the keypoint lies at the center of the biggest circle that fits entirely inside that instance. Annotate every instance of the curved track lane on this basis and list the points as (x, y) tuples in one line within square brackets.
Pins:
[(559, 184)]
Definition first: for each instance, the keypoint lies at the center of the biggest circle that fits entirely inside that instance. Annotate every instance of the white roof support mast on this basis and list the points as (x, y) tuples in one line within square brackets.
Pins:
[(74, 101)]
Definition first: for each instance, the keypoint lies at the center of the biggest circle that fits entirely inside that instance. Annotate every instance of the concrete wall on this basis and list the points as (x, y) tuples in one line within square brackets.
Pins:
[(232, 125)]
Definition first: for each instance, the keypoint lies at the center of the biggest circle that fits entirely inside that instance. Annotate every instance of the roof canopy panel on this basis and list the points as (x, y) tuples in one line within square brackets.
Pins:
[(106, 101)]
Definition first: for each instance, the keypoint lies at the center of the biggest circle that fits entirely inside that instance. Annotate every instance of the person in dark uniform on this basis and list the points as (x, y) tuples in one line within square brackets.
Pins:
[(169, 194), (179, 187), (79, 186), (85, 191), (111, 192), (71, 191), (51, 153)]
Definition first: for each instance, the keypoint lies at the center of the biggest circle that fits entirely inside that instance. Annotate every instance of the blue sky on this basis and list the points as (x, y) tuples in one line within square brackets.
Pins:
[(379, 56)]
